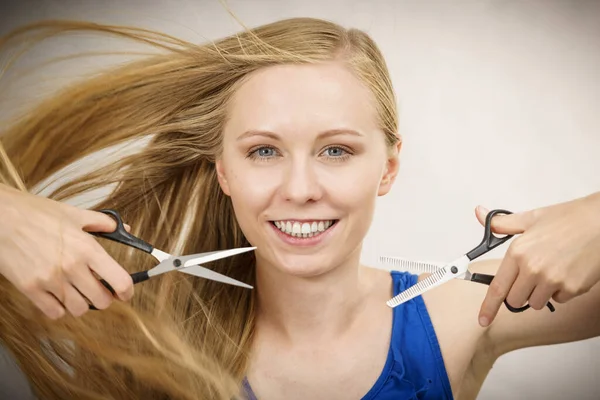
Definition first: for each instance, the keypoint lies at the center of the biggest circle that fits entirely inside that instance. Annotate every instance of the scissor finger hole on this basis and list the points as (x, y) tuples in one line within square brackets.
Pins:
[(499, 235)]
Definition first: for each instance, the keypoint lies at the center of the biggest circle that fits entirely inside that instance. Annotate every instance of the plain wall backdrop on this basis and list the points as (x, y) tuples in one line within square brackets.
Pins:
[(499, 105)]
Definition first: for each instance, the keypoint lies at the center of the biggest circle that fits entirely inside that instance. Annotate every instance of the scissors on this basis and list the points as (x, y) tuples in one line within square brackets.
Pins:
[(457, 269), (167, 262)]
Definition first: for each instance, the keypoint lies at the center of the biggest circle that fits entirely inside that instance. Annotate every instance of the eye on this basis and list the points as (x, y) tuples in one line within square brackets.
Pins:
[(337, 153), (265, 152), (262, 152)]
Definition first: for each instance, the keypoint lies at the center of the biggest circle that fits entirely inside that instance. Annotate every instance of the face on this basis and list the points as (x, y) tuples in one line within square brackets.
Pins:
[(303, 161)]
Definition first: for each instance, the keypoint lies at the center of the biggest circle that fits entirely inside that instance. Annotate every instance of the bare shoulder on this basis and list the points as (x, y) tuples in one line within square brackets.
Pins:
[(466, 346), (453, 309), (374, 280)]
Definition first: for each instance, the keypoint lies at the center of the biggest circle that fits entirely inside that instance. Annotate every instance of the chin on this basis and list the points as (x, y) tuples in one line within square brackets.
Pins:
[(303, 266)]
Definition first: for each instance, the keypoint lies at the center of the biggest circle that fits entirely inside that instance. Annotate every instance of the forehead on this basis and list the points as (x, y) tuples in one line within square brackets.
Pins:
[(303, 98)]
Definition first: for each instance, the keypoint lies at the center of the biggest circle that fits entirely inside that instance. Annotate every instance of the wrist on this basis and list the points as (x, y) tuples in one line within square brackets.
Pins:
[(595, 197), (592, 204)]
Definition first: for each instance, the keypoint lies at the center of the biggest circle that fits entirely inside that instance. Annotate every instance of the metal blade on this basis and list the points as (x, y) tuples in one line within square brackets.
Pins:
[(204, 258), (183, 262), (442, 275), (413, 266), (160, 255), (206, 273)]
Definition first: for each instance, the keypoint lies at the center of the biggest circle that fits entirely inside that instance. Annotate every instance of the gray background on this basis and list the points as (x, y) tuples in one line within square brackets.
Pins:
[(499, 103)]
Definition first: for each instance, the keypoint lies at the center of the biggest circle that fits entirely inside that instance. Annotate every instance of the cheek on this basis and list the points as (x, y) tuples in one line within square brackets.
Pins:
[(355, 186), (250, 190), (356, 192)]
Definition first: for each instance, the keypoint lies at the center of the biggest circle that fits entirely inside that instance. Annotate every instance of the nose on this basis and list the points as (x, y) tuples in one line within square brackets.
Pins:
[(301, 183)]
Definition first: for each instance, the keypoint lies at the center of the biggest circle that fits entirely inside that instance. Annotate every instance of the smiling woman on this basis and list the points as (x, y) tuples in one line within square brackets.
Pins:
[(296, 140), (284, 136), (270, 126)]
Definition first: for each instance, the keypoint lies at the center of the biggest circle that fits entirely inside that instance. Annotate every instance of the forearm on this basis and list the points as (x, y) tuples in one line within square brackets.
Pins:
[(593, 203), (575, 320)]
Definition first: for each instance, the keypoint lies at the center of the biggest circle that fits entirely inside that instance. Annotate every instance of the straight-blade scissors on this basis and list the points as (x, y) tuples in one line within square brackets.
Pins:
[(188, 264), (457, 269)]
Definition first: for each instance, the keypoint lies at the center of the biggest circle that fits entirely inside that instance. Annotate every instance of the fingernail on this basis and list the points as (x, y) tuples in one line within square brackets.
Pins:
[(483, 209), (483, 321)]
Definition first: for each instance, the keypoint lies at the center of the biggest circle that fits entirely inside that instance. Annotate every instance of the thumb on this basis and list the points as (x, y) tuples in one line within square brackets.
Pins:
[(511, 224)]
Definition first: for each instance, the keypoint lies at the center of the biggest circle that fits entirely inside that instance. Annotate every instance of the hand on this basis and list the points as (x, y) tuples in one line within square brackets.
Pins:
[(47, 254), (557, 255)]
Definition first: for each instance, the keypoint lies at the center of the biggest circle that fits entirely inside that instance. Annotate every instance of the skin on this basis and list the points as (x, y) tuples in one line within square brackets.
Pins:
[(316, 304), (56, 274)]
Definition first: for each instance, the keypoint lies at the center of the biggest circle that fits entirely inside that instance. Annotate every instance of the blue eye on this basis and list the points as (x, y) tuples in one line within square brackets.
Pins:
[(265, 152), (262, 153), (335, 152)]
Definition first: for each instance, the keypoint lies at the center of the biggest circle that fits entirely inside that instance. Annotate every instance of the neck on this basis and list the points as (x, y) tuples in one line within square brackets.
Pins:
[(310, 308)]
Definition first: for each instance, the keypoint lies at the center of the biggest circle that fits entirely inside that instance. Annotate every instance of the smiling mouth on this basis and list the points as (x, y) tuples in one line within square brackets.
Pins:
[(304, 229)]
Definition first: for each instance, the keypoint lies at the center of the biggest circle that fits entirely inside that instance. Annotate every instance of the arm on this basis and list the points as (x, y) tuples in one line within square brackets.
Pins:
[(47, 255), (577, 319), (556, 258)]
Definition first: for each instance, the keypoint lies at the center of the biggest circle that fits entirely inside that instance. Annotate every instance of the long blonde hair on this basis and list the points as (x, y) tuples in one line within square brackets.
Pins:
[(179, 337)]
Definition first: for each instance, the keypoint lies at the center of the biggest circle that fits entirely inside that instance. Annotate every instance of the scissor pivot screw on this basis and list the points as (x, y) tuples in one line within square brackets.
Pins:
[(454, 270), (177, 262)]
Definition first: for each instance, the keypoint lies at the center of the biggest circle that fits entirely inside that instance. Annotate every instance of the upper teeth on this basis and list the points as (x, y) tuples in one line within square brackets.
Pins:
[(303, 229)]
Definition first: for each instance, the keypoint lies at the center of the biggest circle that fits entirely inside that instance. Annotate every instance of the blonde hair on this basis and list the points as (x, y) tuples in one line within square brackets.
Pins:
[(179, 337)]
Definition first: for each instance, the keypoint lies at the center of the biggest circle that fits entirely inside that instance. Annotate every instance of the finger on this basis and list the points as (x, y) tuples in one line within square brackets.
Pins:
[(521, 290), (540, 296), (116, 276), (74, 301), (511, 224), (53, 283), (47, 303), (562, 296), (91, 288), (95, 221), (498, 290)]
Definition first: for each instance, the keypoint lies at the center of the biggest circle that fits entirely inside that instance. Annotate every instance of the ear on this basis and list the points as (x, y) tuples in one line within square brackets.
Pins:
[(222, 178), (391, 170)]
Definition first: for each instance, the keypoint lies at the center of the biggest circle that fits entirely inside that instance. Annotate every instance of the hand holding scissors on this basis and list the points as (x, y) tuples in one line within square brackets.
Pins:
[(167, 262), (457, 269)]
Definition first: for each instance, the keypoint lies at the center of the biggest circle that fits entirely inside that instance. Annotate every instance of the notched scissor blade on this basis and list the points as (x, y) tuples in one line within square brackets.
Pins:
[(206, 273), (437, 278), (444, 274), (204, 258), (405, 264)]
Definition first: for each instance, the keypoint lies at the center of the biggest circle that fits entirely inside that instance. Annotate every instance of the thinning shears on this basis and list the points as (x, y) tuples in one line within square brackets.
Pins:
[(188, 264), (457, 269)]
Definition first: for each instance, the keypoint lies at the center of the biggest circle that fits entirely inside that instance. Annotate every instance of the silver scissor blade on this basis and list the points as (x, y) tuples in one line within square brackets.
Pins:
[(206, 273), (407, 265), (204, 258), (418, 289), (444, 274), (183, 262)]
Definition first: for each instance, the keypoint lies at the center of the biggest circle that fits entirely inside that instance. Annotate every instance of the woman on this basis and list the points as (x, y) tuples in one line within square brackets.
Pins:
[(281, 137)]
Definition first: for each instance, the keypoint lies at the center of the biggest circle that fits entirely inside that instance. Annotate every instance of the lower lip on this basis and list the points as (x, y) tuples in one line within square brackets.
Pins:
[(304, 241)]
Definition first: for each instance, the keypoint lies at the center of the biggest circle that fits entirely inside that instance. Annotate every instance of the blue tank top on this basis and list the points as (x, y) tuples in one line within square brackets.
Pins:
[(414, 368)]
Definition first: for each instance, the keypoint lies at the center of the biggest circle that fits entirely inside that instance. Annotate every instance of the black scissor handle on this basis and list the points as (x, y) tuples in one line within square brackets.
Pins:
[(137, 277), (121, 235), (490, 241), (487, 280)]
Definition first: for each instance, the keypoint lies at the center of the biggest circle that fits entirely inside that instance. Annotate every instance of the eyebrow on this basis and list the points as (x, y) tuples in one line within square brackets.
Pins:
[(322, 135)]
